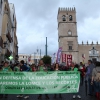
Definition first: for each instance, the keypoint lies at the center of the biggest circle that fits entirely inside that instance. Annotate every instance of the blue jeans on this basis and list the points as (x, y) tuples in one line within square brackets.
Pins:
[(91, 87), (96, 86)]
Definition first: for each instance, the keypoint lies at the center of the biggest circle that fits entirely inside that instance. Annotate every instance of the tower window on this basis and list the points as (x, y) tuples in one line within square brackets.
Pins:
[(69, 33), (63, 18), (23, 56), (70, 18), (70, 47)]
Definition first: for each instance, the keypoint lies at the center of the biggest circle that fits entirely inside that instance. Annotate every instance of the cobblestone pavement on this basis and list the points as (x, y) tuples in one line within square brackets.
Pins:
[(64, 96)]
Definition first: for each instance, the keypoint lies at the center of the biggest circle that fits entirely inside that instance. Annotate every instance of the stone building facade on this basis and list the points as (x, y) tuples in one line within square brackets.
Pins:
[(30, 58), (8, 36), (68, 38)]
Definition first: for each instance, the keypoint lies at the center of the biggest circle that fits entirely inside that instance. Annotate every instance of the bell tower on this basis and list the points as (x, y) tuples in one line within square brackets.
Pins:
[(67, 32)]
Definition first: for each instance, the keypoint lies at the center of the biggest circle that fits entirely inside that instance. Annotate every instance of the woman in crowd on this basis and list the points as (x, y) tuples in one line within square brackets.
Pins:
[(82, 72), (33, 68), (57, 69), (6, 68), (96, 80)]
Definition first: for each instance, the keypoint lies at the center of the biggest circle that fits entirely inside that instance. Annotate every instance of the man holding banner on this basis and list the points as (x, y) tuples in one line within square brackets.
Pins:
[(24, 68)]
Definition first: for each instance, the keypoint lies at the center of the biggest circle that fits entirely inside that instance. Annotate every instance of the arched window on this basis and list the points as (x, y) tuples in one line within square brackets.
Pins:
[(63, 18), (70, 18)]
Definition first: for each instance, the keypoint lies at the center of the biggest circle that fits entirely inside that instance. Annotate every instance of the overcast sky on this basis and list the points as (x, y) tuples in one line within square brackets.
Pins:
[(37, 19)]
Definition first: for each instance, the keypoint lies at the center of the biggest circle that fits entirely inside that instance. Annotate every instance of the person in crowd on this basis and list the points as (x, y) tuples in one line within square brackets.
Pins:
[(57, 69), (23, 68), (82, 72), (74, 67), (6, 68), (1, 95), (52, 67), (96, 80), (2, 64), (17, 67), (11, 65), (0, 69), (42, 68), (33, 68), (89, 69)]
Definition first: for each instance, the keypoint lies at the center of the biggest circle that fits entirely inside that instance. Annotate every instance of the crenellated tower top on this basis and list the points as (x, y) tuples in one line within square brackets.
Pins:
[(66, 14), (66, 9)]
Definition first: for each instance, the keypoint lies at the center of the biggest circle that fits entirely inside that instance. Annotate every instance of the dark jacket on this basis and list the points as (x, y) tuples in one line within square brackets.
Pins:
[(90, 67), (24, 68)]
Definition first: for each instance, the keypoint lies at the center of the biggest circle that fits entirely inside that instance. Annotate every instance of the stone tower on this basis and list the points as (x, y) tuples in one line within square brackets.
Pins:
[(67, 32)]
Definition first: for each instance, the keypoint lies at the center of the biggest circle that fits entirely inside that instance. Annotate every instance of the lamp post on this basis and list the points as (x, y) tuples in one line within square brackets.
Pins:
[(40, 53), (46, 47)]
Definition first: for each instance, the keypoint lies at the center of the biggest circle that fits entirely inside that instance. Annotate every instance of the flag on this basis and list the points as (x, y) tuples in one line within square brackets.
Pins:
[(29, 58), (53, 58), (59, 55)]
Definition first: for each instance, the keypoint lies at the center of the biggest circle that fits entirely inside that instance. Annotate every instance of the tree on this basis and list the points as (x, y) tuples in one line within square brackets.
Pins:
[(47, 59)]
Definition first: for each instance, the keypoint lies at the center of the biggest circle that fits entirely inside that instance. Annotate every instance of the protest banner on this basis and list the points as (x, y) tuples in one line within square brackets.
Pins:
[(39, 82)]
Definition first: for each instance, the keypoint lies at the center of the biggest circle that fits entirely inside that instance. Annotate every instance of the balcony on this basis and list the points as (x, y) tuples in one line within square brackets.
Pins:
[(16, 57), (94, 55), (1, 42), (9, 37), (8, 53)]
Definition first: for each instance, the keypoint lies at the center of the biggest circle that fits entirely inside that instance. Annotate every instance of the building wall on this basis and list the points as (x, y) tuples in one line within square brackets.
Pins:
[(1, 17), (1, 14), (33, 58), (9, 32), (4, 28), (85, 48), (14, 44)]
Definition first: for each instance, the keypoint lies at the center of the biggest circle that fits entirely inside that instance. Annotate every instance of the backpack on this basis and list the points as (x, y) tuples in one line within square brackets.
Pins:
[(97, 77)]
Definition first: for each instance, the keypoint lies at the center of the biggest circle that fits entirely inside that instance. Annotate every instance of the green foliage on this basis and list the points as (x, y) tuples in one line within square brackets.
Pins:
[(47, 59)]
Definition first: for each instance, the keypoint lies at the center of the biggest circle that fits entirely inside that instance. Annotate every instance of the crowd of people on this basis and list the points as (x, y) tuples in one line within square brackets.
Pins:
[(89, 74)]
